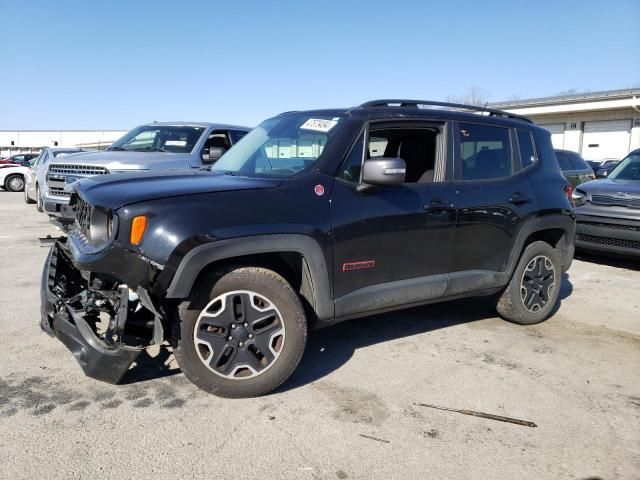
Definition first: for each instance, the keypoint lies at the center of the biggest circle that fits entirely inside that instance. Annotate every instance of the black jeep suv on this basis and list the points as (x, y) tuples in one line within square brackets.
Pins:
[(313, 217)]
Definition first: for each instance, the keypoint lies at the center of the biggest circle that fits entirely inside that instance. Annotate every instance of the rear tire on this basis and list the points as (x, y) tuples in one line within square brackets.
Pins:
[(38, 199), (534, 289), (14, 183), (241, 333)]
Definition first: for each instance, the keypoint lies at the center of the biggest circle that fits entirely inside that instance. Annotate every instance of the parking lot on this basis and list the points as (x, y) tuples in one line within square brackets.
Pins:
[(350, 410)]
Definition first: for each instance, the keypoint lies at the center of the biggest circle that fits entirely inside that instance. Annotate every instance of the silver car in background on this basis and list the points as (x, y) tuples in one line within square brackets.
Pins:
[(153, 147), (35, 178)]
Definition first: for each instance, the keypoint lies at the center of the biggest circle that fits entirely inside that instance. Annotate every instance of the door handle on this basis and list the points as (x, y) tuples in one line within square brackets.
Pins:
[(437, 204), (517, 198)]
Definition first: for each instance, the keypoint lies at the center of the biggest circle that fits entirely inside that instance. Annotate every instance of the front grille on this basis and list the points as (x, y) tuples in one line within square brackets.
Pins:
[(613, 226), (615, 201), (83, 216), (71, 169), (59, 192), (610, 242)]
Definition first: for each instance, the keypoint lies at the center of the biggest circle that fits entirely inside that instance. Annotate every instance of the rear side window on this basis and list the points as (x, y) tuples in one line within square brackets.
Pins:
[(565, 161), (236, 135), (527, 152), (579, 162), (485, 151)]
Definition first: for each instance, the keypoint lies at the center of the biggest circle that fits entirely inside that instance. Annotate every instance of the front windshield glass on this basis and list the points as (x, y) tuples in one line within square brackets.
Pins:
[(158, 138), (627, 169), (64, 152), (280, 147)]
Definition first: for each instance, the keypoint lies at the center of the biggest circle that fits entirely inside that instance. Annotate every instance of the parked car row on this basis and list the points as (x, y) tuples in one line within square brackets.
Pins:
[(22, 159)]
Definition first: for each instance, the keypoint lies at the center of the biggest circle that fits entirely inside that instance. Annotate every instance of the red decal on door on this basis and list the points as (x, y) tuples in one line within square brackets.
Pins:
[(319, 189), (350, 266)]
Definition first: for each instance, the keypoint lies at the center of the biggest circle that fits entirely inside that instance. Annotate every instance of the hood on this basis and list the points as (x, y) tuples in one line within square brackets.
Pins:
[(612, 187), (115, 191), (122, 161)]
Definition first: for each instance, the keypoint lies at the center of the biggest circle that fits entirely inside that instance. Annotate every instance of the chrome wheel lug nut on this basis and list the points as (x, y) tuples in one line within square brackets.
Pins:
[(251, 335), (229, 338), (233, 325), (241, 344), (246, 324)]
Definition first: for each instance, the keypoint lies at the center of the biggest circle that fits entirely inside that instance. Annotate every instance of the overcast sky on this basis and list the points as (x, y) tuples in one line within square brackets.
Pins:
[(116, 64)]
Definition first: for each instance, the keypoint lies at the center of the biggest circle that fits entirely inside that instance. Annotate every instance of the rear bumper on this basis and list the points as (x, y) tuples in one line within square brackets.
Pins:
[(61, 318), (617, 236)]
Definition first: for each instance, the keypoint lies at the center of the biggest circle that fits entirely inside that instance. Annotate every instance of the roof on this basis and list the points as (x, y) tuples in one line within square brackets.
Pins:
[(421, 104), (572, 98), (197, 124), (388, 109), (63, 149)]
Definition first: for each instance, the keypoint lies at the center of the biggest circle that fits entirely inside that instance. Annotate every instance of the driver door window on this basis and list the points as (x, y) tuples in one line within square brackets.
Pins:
[(217, 139), (418, 147)]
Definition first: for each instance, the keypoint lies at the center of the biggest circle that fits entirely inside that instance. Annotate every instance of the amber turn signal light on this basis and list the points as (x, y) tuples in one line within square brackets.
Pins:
[(138, 226)]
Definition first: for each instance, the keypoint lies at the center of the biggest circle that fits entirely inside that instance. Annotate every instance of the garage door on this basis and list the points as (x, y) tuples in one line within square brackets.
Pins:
[(606, 139), (557, 133)]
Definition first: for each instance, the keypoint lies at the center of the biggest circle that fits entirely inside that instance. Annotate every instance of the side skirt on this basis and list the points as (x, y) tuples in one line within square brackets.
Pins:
[(414, 292)]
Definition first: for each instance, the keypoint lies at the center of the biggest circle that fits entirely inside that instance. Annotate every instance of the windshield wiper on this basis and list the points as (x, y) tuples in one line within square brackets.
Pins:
[(150, 149), (118, 149)]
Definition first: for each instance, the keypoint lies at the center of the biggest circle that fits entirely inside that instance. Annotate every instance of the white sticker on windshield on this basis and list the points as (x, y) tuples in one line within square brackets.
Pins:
[(319, 125), (176, 143)]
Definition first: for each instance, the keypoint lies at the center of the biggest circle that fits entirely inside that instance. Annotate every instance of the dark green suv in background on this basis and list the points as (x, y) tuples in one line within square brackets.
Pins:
[(574, 168)]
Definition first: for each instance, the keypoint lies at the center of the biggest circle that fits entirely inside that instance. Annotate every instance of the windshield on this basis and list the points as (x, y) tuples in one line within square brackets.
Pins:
[(64, 152), (280, 147), (627, 169), (157, 138)]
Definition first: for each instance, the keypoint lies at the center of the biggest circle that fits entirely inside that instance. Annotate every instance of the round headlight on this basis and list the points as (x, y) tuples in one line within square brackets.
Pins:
[(102, 227)]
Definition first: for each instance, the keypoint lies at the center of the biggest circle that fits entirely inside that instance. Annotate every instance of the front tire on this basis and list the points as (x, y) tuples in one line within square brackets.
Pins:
[(14, 183), (38, 199), (534, 289), (27, 199), (241, 333)]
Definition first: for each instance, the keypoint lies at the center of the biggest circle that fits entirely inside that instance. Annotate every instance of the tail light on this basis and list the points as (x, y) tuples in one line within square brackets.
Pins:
[(568, 189)]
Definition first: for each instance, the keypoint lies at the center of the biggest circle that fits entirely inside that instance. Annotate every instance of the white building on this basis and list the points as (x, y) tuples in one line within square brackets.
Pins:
[(598, 125), (22, 141)]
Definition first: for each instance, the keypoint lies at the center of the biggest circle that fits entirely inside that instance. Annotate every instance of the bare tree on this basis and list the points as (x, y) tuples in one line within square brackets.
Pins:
[(473, 96)]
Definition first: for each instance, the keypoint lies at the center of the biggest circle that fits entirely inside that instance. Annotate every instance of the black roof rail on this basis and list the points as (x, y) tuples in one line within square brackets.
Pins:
[(390, 102)]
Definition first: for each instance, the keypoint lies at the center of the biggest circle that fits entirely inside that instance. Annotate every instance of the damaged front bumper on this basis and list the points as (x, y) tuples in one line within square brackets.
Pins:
[(69, 312)]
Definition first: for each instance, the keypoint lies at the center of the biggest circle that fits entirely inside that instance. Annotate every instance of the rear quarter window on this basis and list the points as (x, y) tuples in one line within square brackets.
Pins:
[(527, 150), (544, 148)]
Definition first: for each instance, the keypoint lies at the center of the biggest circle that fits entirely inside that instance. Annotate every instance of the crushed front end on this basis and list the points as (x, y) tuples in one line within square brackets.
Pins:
[(97, 303)]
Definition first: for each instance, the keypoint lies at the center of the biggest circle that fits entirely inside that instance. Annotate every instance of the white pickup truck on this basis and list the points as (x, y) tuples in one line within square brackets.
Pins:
[(153, 147)]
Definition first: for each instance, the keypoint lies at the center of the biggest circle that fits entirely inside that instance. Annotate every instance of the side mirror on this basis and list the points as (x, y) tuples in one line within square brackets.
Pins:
[(213, 155), (384, 171), (601, 174)]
